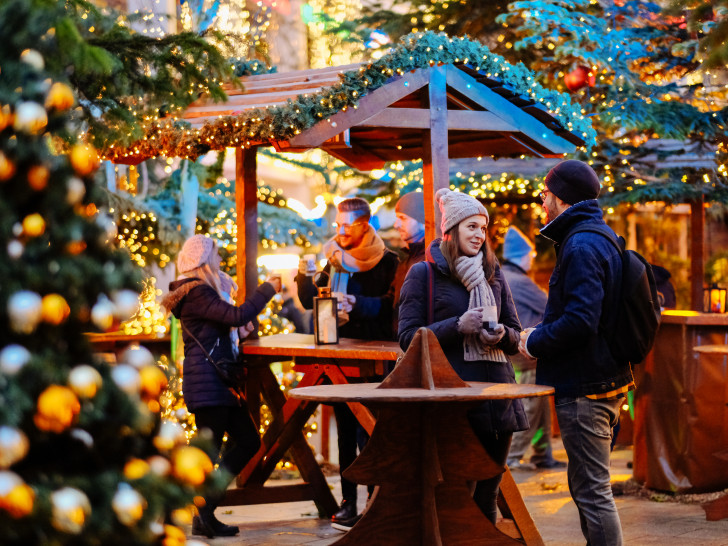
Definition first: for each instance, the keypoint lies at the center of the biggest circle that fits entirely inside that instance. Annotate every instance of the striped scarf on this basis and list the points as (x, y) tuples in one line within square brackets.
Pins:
[(470, 271)]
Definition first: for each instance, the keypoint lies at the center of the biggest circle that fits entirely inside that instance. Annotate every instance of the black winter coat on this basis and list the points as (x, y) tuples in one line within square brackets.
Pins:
[(451, 300), (209, 318), (415, 253), (371, 317)]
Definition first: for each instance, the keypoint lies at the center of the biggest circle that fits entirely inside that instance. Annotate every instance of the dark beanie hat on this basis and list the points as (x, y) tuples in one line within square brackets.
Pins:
[(573, 181), (413, 205)]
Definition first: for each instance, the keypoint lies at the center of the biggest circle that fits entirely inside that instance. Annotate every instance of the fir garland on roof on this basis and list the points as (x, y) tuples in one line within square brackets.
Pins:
[(172, 138)]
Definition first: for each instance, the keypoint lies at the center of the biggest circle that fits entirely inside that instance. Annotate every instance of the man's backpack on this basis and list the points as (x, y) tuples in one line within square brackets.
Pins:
[(638, 313)]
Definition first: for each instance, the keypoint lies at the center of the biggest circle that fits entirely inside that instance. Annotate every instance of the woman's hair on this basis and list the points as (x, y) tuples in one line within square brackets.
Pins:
[(450, 249)]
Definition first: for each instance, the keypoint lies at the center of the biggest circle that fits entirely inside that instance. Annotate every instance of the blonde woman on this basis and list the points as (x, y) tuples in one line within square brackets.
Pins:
[(199, 298)]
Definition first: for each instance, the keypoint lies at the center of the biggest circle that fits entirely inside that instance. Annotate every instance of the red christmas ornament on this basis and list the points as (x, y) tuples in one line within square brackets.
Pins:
[(580, 77)]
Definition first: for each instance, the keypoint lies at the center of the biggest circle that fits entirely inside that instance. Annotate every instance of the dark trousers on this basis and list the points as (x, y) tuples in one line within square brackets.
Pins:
[(243, 441), (350, 436)]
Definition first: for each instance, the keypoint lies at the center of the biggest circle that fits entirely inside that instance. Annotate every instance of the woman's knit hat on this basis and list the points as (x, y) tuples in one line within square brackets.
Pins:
[(195, 252), (573, 181), (516, 245), (456, 207)]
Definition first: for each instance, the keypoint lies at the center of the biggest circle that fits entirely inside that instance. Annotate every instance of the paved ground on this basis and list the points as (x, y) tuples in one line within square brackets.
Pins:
[(644, 522)]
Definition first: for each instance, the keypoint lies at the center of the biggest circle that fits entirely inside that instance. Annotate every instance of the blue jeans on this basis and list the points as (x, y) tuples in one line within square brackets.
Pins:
[(586, 430)]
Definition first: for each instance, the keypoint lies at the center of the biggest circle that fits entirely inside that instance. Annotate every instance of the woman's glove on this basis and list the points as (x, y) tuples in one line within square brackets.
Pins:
[(488, 338), (471, 322)]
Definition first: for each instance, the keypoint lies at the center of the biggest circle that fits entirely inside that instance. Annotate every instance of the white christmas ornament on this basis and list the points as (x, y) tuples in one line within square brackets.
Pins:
[(13, 358), (85, 381), (127, 378), (102, 313), (75, 190), (70, 508), (109, 228), (33, 58), (30, 117), (13, 446), (15, 249), (128, 504), (83, 437), (24, 310), (171, 434), (159, 465), (126, 303), (137, 356)]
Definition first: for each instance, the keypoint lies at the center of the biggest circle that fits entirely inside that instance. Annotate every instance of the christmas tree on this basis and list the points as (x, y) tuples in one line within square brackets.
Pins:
[(84, 455)]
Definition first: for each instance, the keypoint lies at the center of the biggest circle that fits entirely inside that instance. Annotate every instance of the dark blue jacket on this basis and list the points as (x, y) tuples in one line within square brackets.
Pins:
[(371, 317), (451, 300), (209, 318), (572, 351)]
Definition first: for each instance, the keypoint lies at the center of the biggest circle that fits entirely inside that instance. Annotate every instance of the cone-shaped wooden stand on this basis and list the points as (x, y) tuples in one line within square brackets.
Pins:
[(422, 453)]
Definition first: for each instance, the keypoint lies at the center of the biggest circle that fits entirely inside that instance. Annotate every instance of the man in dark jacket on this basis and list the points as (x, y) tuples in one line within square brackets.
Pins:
[(410, 223), (361, 269), (571, 344), (530, 300)]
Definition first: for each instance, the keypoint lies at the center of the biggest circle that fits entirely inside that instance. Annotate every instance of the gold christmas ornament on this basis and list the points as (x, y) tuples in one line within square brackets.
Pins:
[(126, 304), (30, 117), (128, 504), (135, 469), (137, 356), (24, 309), (102, 313), (56, 409), (153, 382), (38, 176), (16, 496), (6, 117), (75, 190), (34, 225), (60, 97), (7, 167), (84, 159), (190, 465), (170, 434), (173, 536), (13, 446), (182, 516), (33, 58), (13, 358), (54, 309), (126, 378), (85, 381), (70, 510)]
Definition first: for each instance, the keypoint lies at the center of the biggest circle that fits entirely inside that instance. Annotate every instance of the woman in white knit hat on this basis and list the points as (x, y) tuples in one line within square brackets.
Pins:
[(468, 305), (200, 298)]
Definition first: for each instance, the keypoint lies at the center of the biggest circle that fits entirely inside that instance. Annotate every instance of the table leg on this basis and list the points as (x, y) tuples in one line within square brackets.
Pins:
[(362, 414), (512, 507), (285, 432)]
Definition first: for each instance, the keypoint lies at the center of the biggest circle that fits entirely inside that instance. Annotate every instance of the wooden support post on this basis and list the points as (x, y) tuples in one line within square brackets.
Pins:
[(246, 205), (435, 164), (697, 253)]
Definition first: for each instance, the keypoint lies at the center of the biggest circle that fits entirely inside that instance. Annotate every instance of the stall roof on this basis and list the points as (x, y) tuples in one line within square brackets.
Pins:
[(370, 113)]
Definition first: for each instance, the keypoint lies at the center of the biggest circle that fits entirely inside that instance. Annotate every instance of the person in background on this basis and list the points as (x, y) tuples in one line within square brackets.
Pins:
[(664, 287), (198, 299), (290, 311), (410, 223), (467, 280), (360, 269), (530, 300), (572, 348)]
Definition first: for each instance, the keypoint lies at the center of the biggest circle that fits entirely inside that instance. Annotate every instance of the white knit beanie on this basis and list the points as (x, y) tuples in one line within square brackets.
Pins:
[(195, 252), (456, 207)]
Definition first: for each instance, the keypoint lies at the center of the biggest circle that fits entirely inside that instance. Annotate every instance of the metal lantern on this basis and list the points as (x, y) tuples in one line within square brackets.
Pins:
[(325, 318), (714, 299)]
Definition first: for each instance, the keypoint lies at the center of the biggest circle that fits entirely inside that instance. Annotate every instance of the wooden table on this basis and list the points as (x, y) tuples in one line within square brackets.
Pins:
[(349, 360), (423, 454)]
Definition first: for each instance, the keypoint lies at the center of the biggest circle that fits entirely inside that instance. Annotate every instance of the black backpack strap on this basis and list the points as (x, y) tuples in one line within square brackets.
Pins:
[(430, 293), (601, 229), (182, 324)]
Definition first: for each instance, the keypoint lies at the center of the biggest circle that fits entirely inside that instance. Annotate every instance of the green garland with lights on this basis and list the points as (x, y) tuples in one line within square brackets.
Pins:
[(421, 50)]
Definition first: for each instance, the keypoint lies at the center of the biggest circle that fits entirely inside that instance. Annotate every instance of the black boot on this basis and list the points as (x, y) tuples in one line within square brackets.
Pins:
[(346, 517), (208, 525)]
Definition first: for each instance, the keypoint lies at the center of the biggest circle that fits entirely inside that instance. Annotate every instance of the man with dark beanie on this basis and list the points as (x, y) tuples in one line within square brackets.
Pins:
[(410, 223), (571, 344)]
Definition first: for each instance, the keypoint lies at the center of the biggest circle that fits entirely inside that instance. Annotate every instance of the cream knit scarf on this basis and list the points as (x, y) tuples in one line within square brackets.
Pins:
[(344, 262), (470, 271)]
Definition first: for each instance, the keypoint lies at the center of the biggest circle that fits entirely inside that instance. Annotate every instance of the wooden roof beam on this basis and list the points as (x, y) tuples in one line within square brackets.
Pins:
[(419, 118)]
